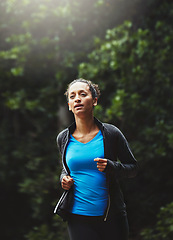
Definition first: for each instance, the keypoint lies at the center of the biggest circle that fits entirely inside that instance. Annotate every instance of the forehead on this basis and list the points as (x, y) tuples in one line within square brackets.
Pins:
[(78, 86)]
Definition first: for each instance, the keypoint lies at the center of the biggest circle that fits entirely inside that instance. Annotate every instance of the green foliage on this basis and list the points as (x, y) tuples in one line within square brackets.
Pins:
[(41, 44), (43, 232), (134, 70), (45, 44), (163, 229), (117, 103)]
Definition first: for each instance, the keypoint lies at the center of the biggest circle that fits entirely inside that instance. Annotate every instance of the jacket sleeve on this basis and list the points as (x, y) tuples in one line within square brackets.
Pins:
[(63, 173), (59, 144), (126, 166)]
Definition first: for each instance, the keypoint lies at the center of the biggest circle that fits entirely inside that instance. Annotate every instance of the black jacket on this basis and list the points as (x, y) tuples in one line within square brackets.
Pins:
[(121, 163)]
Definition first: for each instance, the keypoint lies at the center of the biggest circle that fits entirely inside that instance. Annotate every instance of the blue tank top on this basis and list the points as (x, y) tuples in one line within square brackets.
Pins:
[(90, 189)]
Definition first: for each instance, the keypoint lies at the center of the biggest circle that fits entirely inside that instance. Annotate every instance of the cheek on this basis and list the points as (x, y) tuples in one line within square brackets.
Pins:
[(89, 103)]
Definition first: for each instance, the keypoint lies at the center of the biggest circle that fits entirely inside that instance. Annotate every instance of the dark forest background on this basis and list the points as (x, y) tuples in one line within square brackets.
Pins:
[(124, 46)]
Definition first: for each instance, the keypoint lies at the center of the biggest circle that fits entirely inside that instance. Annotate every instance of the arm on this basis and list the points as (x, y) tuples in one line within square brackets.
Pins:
[(127, 164), (65, 179)]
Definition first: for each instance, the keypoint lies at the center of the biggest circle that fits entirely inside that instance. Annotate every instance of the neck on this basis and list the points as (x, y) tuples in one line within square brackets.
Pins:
[(85, 125)]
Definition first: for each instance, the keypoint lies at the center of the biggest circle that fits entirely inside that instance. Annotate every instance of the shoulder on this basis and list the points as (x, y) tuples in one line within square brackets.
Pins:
[(62, 133), (62, 136), (114, 133), (111, 129)]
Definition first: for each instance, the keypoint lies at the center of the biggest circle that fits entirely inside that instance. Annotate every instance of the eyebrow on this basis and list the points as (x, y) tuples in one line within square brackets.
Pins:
[(82, 90)]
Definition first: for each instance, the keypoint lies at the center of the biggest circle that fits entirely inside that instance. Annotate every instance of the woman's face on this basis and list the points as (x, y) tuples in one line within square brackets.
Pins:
[(80, 99)]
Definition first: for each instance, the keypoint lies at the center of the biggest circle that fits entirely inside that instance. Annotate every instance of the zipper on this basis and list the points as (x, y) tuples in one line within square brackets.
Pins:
[(63, 196), (107, 210), (63, 155), (60, 200), (108, 207)]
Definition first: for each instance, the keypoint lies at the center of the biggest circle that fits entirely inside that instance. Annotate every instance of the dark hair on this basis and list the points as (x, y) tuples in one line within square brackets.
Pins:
[(94, 88)]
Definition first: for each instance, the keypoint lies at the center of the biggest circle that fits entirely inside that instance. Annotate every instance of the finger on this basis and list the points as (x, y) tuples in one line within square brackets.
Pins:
[(101, 169), (66, 186), (102, 165), (67, 179), (64, 181), (71, 181), (100, 160)]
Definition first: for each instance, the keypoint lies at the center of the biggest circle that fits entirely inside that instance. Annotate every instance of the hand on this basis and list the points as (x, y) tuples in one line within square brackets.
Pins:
[(101, 164), (67, 182)]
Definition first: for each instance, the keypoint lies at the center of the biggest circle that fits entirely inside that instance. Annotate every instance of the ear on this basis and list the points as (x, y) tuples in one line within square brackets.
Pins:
[(69, 108), (95, 102)]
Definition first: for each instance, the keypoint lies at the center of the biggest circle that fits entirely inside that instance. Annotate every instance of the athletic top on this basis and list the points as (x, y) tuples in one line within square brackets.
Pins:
[(90, 189)]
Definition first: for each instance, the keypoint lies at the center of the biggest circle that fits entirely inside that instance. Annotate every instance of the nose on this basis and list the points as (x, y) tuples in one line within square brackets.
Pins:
[(77, 98)]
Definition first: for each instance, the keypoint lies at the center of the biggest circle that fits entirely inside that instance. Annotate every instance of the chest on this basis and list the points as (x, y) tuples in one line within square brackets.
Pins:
[(80, 156)]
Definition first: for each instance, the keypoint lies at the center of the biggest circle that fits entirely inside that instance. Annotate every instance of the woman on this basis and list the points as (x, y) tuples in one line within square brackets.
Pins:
[(90, 150)]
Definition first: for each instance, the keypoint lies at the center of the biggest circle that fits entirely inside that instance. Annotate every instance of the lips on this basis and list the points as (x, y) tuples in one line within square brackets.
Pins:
[(78, 106)]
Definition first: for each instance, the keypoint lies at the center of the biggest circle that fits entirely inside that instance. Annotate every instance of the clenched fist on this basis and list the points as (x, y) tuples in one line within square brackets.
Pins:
[(67, 182), (101, 164)]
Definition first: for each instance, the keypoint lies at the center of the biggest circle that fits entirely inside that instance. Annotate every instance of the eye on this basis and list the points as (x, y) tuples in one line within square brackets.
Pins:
[(83, 94), (72, 96)]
